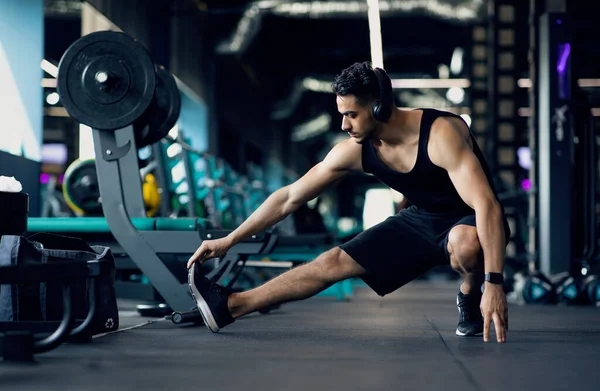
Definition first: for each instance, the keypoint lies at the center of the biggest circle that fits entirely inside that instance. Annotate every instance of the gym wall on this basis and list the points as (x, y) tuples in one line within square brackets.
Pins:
[(21, 95), (178, 46), (193, 119)]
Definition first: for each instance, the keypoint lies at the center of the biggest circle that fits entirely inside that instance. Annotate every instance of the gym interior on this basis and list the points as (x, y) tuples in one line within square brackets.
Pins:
[(131, 131)]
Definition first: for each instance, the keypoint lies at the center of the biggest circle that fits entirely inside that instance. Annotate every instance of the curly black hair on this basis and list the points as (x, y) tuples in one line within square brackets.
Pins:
[(358, 80)]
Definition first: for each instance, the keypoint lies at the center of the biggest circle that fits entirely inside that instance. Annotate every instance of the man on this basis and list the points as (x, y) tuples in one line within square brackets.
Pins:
[(425, 154)]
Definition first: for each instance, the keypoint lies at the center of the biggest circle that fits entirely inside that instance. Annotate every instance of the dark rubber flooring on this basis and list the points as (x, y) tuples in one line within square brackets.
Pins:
[(404, 341)]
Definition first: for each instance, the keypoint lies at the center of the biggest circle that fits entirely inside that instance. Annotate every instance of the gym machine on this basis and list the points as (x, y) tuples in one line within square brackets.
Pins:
[(108, 81)]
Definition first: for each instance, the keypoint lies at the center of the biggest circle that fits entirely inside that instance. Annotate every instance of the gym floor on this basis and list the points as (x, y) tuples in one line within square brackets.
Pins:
[(404, 341)]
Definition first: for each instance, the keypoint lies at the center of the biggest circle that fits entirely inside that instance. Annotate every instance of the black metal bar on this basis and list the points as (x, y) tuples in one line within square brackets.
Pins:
[(111, 175), (186, 317), (62, 333), (187, 242), (241, 264), (131, 181), (91, 309)]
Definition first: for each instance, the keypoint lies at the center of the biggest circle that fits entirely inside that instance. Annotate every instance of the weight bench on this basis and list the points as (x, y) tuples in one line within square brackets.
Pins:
[(145, 238), (95, 230)]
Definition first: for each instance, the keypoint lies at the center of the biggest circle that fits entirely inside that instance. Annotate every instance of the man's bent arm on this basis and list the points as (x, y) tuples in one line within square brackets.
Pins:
[(451, 152), (340, 161)]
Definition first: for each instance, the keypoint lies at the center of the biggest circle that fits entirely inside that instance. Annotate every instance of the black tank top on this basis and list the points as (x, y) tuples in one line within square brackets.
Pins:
[(426, 186)]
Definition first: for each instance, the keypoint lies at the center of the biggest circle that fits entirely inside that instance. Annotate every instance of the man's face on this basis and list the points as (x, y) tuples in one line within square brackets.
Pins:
[(357, 120)]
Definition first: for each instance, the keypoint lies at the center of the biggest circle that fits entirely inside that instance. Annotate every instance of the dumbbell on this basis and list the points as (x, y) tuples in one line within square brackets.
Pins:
[(533, 288), (567, 288), (590, 289)]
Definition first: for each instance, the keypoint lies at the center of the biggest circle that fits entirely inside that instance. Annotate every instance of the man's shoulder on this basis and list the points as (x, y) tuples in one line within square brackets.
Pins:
[(348, 145), (448, 126), (448, 136), (346, 154), (440, 112)]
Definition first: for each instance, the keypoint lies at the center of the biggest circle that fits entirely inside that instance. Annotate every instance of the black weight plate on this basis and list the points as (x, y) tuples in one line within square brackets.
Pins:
[(81, 188), (163, 112), (106, 80)]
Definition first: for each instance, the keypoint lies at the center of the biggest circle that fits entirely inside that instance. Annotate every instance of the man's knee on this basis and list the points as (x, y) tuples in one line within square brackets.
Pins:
[(464, 247), (336, 264)]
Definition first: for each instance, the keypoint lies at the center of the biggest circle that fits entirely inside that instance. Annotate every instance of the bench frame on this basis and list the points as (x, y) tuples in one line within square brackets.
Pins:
[(121, 193)]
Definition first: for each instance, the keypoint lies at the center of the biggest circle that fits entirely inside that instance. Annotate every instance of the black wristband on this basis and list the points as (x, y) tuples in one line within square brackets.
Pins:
[(494, 278)]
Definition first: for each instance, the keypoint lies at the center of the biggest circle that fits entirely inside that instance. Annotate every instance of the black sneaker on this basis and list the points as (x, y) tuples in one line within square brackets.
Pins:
[(211, 300), (470, 322)]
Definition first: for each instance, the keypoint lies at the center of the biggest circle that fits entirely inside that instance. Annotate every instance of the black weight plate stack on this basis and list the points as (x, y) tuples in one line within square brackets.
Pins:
[(106, 80), (163, 112)]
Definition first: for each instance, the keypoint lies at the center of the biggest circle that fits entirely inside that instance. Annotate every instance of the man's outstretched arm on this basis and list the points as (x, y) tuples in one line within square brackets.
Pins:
[(449, 149), (340, 161)]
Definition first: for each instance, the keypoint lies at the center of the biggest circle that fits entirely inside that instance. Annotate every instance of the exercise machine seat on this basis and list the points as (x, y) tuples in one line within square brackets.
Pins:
[(100, 225)]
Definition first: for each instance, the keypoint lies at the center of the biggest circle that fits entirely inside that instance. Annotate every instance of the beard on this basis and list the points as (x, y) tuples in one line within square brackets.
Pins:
[(361, 140), (368, 132)]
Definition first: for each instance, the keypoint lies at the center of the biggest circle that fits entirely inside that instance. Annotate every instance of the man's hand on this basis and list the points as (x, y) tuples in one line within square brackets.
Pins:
[(210, 249), (494, 307)]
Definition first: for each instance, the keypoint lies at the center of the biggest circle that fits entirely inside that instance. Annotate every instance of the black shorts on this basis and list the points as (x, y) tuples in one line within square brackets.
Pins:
[(404, 247)]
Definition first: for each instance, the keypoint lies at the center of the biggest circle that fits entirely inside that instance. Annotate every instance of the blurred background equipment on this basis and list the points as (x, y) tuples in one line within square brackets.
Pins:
[(149, 126)]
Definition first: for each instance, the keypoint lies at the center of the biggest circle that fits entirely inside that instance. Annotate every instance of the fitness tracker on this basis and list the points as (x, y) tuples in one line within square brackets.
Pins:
[(494, 278)]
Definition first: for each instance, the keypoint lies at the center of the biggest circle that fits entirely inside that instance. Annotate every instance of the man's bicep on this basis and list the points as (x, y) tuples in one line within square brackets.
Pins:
[(469, 179), (311, 184), (339, 162), (453, 153)]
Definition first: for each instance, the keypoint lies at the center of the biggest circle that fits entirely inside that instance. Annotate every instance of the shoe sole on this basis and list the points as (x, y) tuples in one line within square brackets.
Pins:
[(461, 334), (202, 305)]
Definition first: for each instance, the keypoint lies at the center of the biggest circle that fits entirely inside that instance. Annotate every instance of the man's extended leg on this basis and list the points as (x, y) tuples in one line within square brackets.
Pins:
[(219, 308), (465, 257), (299, 283)]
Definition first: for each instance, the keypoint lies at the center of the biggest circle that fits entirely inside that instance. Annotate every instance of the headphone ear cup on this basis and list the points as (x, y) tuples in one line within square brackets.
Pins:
[(381, 112), (376, 109), (381, 107)]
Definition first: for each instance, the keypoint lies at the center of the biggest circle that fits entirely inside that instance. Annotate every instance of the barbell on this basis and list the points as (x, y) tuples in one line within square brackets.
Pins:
[(107, 80)]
